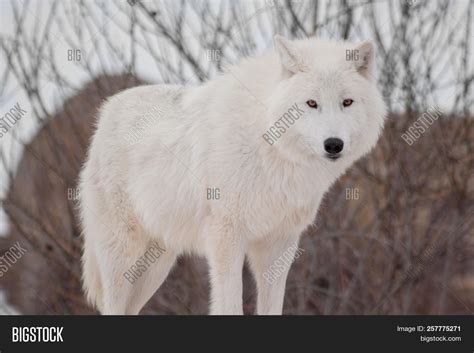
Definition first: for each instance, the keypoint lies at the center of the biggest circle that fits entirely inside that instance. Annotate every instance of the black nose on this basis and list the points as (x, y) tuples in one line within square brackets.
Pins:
[(333, 145)]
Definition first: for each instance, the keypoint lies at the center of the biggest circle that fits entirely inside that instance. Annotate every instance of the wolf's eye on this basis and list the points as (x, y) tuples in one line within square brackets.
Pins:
[(312, 103), (347, 102)]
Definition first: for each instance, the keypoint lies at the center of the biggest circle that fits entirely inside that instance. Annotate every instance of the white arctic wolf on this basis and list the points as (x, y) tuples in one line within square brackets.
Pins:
[(233, 169)]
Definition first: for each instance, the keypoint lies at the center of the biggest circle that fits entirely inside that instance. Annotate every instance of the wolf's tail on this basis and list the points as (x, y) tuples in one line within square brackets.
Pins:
[(91, 280)]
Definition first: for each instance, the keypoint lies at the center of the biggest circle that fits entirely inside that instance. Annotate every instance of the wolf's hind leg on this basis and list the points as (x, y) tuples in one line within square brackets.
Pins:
[(152, 278), (118, 250)]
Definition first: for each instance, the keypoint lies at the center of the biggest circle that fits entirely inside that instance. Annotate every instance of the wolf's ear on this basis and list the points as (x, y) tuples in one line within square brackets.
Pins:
[(365, 61), (289, 56)]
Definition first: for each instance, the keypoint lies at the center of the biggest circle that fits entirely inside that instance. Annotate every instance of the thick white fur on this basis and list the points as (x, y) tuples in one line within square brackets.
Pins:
[(155, 187)]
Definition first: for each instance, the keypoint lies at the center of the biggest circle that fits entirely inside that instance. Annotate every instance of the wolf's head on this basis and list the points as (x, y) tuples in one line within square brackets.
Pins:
[(326, 103)]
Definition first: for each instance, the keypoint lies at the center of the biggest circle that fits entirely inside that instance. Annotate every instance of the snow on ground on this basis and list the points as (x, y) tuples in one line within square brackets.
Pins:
[(5, 308)]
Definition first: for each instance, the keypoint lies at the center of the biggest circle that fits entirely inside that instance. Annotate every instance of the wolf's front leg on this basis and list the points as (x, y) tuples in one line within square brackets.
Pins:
[(270, 261), (226, 259)]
